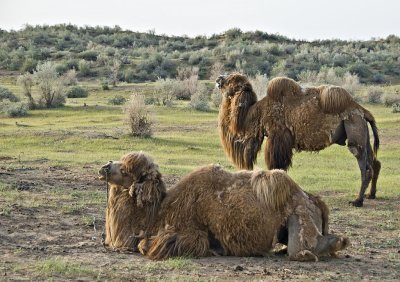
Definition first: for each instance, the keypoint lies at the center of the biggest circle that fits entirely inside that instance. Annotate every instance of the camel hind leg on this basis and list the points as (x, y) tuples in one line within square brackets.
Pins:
[(376, 168), (359, 145)]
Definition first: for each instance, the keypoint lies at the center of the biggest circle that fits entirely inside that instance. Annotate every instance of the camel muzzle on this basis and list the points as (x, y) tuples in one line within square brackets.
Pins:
[(220, 81), (104, 171)]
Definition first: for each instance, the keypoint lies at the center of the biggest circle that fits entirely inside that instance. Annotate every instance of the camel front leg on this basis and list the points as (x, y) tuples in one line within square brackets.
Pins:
[(296, 244), (306, 243), (279, 149)]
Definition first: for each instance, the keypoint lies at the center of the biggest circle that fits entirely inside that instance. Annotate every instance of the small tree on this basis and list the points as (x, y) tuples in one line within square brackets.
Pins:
[(114, 69), (51, 87), (26, 81), (139, 116)]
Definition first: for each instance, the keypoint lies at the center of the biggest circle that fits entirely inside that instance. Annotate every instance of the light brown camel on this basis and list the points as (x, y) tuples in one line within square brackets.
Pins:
[(297, 119), (212, 212)]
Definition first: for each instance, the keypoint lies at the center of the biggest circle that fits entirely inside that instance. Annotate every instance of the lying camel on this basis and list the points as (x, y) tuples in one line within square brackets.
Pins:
[(213, 212)]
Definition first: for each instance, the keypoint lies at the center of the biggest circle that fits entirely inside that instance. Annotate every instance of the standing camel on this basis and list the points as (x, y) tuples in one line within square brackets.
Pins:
[(293, 118)]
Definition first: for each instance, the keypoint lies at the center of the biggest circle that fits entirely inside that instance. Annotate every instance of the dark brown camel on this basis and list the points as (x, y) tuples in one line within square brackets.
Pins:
[(291, 117)]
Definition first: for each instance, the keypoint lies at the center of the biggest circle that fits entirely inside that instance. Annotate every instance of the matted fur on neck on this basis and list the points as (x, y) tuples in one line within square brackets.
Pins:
[(241, 147)]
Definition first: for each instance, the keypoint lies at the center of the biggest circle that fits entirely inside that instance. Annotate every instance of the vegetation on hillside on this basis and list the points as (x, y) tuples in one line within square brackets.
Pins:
[(117, 55)]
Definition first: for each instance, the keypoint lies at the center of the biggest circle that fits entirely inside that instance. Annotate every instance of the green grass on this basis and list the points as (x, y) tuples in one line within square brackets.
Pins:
[(59, 267), (178, 263), (183, 140), (75, 137)]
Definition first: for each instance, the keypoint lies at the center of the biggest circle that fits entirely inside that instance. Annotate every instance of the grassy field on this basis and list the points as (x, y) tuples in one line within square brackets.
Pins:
[(48, 167)]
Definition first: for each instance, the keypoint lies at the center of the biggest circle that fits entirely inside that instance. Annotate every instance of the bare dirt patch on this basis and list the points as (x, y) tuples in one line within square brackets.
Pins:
[(51, 220)]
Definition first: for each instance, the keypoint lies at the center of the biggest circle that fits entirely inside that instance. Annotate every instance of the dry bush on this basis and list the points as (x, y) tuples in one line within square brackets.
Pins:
[(185, 73), (199, 100), (170, 89), (114, 70), (167, 89), (396, 108), (308, 77), (259, 83), (351, 83), (374, 94), (348, 81), (216, 97), (51, 86), (139, 116), (69, 78), (388, 99), (216, 70)]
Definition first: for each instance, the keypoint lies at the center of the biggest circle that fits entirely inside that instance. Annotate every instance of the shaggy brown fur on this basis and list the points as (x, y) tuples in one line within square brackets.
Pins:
[(212, 211), (294, 118)]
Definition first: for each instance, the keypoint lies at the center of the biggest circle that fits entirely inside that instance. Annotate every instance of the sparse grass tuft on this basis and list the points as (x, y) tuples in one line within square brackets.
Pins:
[(58, 266), (177, 263)]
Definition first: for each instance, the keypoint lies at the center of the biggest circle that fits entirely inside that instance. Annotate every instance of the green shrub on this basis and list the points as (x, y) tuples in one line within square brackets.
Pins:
[(117, 100), (396, 108), (89, 55), (7, 94), (84, 68), (73, 64), (61, 68), (29, 65), (129, 75), (151, 101), (104, 86), (77, 92), (13, 109)]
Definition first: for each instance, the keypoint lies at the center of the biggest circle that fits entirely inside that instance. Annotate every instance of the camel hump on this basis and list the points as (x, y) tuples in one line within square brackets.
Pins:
[(280, 87), (273, 188), (334, 99)]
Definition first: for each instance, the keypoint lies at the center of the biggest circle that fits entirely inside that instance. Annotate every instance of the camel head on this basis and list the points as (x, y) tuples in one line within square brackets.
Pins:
[(116, 174), (140, 174), (233, 84)]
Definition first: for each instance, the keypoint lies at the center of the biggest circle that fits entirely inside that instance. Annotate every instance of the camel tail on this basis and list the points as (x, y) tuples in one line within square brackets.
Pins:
[(370, 118)]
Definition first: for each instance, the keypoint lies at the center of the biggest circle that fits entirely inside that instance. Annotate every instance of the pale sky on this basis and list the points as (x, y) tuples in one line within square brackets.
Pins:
[(307, 19)]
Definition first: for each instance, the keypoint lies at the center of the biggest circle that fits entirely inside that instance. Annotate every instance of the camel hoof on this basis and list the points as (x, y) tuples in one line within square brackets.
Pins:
[(370, 196), (357, 203), (304, 255)]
